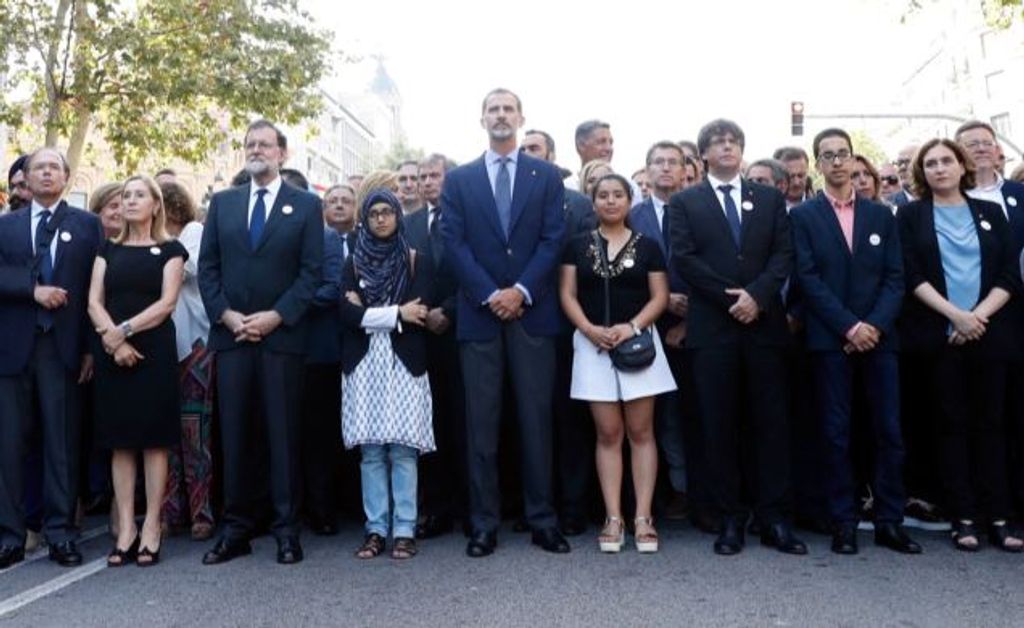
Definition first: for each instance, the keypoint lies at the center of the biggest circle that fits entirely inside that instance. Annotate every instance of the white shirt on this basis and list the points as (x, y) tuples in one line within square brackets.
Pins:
[(735, 193), (992, 193), (272, 189), (37, 211), (659, 210), (430, 216), (190, 321), (493, 162)]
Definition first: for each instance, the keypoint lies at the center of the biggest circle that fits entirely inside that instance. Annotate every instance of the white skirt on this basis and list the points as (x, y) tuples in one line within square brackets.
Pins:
[(595, 379)]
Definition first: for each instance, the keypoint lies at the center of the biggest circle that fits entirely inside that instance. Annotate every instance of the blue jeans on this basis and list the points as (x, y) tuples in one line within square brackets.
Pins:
[(376, 497)]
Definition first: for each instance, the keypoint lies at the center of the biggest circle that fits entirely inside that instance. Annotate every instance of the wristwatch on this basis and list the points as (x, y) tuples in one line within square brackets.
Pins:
[(126, 329)]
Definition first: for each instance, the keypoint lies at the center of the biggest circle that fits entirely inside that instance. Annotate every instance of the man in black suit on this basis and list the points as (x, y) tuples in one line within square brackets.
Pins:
[(443, 472), (47, 250), (259, 268), (731, 245)]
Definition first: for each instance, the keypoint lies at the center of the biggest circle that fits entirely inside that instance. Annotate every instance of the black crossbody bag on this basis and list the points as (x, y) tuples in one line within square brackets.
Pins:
[(636, 353)]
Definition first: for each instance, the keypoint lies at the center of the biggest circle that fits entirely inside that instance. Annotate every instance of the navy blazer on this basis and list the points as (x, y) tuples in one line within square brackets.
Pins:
[(323, 344), (281, 274), (642, 218), (446, 285), (840, 288), (1013, 200), (72, 270), (708, 260), (410, 344), (579, 215), (925, 330), (485, 260)]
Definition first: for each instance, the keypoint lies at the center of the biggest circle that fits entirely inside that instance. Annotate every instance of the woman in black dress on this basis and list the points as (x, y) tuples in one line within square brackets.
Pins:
[(135, 284)]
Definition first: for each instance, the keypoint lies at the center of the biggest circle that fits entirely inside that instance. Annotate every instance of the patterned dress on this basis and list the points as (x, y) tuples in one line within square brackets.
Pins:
[(382, 403)]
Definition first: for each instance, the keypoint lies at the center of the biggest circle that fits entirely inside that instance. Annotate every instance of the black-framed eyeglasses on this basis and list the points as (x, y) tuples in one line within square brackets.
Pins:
[(378, 214), (890, 179), (841, 155)]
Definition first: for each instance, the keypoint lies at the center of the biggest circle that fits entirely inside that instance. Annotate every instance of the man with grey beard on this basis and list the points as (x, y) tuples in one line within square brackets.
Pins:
[(259, 268)]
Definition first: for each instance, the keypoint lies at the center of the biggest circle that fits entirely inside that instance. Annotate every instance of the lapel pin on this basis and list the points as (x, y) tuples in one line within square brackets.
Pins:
[(875, 239), (65, 236), (628, 262), (533, 172), (986, 225), (747, 206), (155, 250), (287, 210), (362, 283), (1011, 201)]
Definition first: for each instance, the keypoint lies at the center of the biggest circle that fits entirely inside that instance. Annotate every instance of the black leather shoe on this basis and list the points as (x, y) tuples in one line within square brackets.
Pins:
[(226, 550), (573, 526), (730, 538), (289, 551), (10, 555), (434, 526), (780, 536), (893, 536), (481, 544), (551, 540), (844, 539), (65, 554)]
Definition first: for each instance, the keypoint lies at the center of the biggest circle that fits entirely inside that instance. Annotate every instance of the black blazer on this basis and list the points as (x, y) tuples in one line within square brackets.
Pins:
[(281, 274), (445, 284), (410, 345), (707, 259), (922, 328)]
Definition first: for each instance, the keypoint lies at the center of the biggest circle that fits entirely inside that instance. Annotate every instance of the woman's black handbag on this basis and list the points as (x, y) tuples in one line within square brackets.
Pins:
[(636, 353)]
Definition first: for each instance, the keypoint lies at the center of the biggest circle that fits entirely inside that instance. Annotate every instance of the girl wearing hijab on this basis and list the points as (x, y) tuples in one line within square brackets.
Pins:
[(386, 406)]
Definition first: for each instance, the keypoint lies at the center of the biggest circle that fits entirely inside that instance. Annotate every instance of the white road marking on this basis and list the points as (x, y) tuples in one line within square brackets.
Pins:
[(41, 551), (20, 600)]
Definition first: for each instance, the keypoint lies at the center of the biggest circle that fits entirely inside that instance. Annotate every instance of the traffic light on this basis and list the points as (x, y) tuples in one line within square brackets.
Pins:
[(796, 111)]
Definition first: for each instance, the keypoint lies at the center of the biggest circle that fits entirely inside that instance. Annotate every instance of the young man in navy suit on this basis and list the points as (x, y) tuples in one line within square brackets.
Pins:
[(47, 250), (731, 245), (503, 230), (850, 271), (259, 268)]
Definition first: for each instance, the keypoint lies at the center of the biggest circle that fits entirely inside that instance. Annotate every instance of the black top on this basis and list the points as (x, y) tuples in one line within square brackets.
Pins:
[(628, 284)]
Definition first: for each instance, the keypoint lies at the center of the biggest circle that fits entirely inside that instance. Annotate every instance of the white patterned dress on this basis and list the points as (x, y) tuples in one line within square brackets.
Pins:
[(382, 403)]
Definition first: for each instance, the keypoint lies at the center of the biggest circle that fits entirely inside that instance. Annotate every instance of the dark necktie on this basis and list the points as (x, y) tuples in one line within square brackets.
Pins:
[(664, 227), (435, 235), (731, 214), (503, 195), (258, 219), (44, 317)]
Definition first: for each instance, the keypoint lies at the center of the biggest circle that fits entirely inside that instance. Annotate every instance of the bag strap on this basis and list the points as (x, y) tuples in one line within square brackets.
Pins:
[(603, 258)]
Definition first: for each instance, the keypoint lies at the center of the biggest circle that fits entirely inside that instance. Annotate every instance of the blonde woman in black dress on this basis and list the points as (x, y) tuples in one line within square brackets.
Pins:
[(134, 289)]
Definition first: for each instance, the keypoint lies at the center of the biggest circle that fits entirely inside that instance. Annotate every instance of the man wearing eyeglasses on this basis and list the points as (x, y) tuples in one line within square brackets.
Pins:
[(259, 269), (904, 169), (850, 267), (889, 179), (795, 160), (17, 185)]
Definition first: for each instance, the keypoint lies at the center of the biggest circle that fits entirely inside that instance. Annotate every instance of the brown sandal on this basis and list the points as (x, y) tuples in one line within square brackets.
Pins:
[(372, 546), (403, 548)]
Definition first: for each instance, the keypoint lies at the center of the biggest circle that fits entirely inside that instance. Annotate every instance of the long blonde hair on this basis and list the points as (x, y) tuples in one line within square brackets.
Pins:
[(158, 228)]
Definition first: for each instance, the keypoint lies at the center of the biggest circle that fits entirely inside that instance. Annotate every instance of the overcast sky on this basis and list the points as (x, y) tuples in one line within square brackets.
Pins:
[(654, 70)]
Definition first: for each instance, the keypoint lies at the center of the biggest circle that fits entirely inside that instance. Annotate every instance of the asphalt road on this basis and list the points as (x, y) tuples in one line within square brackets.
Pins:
[(684, 584)]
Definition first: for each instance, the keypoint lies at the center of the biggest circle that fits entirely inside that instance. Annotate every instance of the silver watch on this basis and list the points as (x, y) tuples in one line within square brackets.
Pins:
[(126, 329)]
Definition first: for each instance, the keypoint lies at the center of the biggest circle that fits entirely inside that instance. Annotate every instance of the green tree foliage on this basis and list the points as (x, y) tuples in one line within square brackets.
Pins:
[(399, 152), (998, 13), (157, 77)]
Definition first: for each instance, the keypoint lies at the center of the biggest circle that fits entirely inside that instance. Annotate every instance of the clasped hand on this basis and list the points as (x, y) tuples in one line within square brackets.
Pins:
[(251, 327), (967, 326), (745, 309), (50, 297), (127, 355), (607, 338), (864, 339), (507, 304)]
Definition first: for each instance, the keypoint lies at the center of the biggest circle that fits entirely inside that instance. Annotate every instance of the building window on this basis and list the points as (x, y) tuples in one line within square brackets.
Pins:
[(995, 85), (1001, 124)]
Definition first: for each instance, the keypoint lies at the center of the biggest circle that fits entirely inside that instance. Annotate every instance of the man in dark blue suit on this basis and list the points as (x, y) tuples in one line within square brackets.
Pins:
[(850, 271), (731, 245), (47, 252), (259, 268), (503, 229)]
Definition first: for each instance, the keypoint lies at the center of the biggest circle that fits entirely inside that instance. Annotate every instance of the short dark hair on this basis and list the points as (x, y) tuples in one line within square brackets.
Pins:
[(295, 178), (169, 171), (664, 145), (499, 91), (830, 132), (970, 125), (790, 153), (242, 177), (721, 126), (687, 144), (282, 141), (621, 180), (548, 140), (407, 162), (587, 127), (434, 158), (32, 155), (920, 183), (179, 206), (779, 172)]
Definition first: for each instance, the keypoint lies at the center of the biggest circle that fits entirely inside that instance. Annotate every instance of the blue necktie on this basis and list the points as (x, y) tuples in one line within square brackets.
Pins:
[(44, 317), (731, 214), (258, 219), (503, 195)]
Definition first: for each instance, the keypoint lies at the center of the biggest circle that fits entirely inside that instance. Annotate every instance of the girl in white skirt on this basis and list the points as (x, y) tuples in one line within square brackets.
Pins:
[(621, 402)]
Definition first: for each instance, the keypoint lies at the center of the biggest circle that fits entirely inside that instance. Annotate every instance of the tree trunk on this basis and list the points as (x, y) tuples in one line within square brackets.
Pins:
[(79, 131), (52, 71)]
